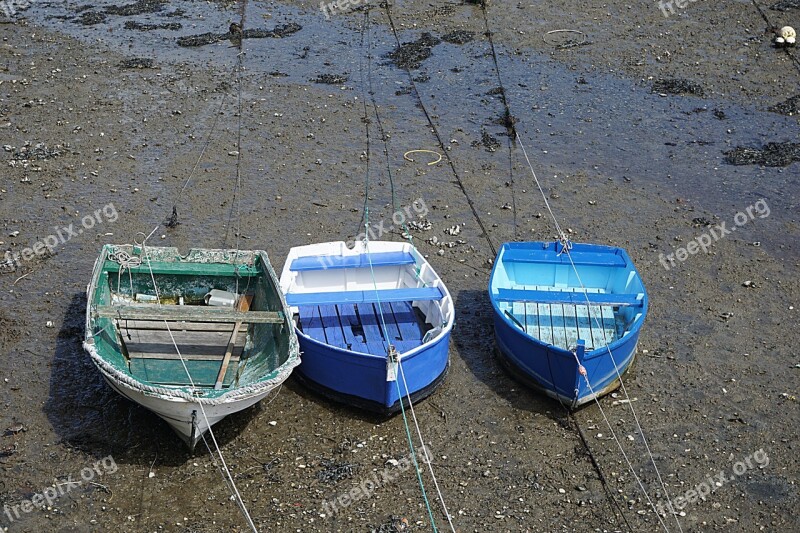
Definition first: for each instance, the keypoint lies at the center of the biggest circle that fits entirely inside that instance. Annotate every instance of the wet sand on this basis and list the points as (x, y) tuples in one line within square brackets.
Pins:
[(716, 379)]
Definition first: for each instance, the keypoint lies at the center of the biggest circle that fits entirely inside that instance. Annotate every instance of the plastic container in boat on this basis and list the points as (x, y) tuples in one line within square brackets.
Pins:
[(220, 298)]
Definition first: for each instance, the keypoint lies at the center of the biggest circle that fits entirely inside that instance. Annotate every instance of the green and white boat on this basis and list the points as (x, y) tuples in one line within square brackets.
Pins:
[(193, 338)]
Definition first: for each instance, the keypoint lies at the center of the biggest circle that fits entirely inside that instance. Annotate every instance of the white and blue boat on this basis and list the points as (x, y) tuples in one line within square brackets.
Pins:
[(567, 321), (361, 314)]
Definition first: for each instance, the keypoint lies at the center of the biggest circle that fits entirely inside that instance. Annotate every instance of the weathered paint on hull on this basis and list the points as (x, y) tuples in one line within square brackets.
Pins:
[(179, 413)]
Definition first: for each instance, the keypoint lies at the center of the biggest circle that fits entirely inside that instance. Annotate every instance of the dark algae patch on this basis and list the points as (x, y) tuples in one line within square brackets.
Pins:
[(136, 62), (203, 39), (333, 471), (410, 55), (331, 79), (133, 25), (137, 8), (394, 524), (487, 141), (785, 5), (90, 18), (459, 37), (676, 86), (789, 107), (770, 155)]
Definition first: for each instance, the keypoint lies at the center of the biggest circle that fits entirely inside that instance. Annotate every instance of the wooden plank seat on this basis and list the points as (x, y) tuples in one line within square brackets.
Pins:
[(413, 294), (555, 317), (549, 256), (153, 356), (569, 298), (326, 262), (189, 313), (358, 327)]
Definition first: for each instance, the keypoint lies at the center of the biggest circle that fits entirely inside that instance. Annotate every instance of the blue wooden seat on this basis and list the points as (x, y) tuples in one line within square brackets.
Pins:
[(514, 255), (570, 298), (359, 327), (368, 296), (326, 262)]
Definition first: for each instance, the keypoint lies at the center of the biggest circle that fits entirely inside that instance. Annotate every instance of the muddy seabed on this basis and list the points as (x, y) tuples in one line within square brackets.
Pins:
[(627, 126)]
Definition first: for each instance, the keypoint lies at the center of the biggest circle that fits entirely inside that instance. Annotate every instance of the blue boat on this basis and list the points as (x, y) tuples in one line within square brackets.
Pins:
[(373, 322), (563, 317)]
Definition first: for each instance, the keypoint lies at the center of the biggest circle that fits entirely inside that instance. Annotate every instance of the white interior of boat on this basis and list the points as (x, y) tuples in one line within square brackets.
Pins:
[(334, 281)]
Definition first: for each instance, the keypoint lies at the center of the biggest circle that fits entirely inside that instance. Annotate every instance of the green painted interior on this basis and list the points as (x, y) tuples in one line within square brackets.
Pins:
[(267, 346), (171, 372)]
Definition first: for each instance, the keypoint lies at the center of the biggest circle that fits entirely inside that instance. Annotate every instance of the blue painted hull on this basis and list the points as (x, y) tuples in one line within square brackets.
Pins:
[(554, 371), (359, 379), (543, 365)]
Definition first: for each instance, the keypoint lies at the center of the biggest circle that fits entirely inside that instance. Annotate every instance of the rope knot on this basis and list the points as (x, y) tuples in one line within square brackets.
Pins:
[(566, 244)]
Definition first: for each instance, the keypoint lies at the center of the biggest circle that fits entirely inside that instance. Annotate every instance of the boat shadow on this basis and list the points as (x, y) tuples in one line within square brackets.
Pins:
[(89, 416), (332, 407), (473, 340)]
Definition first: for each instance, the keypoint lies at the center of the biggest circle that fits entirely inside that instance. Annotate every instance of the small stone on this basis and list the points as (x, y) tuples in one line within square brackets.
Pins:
[(273, 423), (48, 324), (562, 491)]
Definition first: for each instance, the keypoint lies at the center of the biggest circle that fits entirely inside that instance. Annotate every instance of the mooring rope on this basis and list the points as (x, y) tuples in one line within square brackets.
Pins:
[(440, 141), (366, 29), (399, 393), (566, 249), (625, 392), (209, 138), (508, 119), (228, 475), (422, 444)]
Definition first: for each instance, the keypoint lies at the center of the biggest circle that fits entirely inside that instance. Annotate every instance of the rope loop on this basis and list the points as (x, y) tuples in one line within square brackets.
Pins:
[(124, 259), (566, 244)]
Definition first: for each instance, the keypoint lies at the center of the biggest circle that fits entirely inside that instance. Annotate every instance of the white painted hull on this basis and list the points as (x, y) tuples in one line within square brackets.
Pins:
[(180, 413)]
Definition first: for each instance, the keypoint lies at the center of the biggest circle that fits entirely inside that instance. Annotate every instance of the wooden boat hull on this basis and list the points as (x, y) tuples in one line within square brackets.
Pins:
[(357, 373), (190, 364), (554, 372), (537, 341), (183, 416), (359, 380)]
